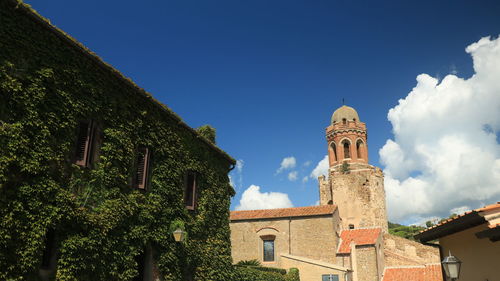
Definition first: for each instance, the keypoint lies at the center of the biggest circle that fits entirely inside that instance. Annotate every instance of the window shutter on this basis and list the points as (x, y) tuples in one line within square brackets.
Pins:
[(84, 144), (141, 176)]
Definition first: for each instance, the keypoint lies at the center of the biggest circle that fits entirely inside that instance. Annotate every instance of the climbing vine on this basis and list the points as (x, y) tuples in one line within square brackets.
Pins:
[(100, 223)]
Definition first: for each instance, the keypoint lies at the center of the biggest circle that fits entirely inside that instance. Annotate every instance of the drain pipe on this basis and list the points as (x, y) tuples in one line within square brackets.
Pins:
[(441, 256), (289, 236)]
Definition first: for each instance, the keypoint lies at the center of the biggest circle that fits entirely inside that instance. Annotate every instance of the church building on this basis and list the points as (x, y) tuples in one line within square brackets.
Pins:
[(346, 237)]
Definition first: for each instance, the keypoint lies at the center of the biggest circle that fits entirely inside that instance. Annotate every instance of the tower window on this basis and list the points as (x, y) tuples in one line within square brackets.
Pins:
[(344, 121), (334, 148), (359, 146), (351, 226), (347, 149)]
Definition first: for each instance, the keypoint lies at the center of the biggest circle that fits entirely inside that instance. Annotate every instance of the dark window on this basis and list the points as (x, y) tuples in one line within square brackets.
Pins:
[(347, 150), (140, 260), (351, 226), (344, 121), (49, 250), (85, 144), (141, 176), (190, 192), (330, 277), (268, 250), (359, 146), (334, 148)]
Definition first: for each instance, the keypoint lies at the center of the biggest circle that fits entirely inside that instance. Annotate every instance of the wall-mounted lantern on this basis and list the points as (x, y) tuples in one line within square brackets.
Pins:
[(179, 235), (451, 265), (178, 230)]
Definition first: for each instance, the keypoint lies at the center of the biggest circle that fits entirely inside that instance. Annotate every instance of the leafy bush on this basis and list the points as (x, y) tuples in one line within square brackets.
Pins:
[(253, 262), (208, 132), (292, 275), (255, 273)]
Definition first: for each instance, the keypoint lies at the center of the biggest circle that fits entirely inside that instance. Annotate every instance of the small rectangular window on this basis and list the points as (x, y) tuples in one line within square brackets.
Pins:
[(190, 191), (330, 277), (141, 176), (85, 144), (268, 250)]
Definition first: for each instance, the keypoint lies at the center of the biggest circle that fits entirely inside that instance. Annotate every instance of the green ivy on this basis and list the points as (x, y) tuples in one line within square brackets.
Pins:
[(254, 273), (101, 224)]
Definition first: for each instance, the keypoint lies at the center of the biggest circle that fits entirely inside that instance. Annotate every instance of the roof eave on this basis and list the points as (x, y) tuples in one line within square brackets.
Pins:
[(464, 222)]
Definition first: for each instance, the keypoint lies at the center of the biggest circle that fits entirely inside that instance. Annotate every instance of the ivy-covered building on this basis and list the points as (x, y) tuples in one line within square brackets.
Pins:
[(94, 171)]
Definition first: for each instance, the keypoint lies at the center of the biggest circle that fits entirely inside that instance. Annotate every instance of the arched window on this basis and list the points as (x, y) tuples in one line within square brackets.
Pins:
[(347, 149), (359, 149), (334, 148), (344, 121)]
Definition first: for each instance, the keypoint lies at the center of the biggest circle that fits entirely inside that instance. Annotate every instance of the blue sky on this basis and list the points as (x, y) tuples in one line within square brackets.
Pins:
[(269, 74)]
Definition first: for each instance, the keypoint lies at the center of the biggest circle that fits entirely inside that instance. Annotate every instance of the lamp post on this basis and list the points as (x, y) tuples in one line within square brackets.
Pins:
[(451, 265)]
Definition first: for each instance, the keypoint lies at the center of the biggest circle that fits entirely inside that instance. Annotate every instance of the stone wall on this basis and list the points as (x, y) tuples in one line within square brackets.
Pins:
[(360, 197), (366, 266), (313, 270), (403, 252), (310, 237)]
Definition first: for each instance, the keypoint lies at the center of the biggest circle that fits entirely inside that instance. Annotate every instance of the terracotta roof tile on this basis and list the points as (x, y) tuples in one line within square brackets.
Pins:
[(282, 213), (485, 208), (430, 272), (489, 207), (361, 236)]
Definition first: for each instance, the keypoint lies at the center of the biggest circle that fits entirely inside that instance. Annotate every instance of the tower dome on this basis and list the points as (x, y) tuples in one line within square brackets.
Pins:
[(345, 112)]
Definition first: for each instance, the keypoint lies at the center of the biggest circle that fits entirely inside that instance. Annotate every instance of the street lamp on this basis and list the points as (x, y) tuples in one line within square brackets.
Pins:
[(179, 235), (451, 267)]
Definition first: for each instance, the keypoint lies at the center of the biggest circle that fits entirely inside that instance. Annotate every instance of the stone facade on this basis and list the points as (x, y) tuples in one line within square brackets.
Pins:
[(359, 195), (313, 269), (403, 252), (366, 263), (312, 237)]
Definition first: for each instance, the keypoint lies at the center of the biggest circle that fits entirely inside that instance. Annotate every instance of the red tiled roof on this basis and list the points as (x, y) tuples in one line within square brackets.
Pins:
[(361, 236), (489, 207), (485, 208), (282, 213), (430, 272)]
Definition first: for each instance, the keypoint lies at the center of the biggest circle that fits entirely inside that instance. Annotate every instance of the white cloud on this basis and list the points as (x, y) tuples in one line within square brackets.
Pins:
[(321, 168), (460, 210), (239, 165), (236, 176), (287, 163), (307, 164), (253, 199), (445, 154), (305, 179), (292, 176)]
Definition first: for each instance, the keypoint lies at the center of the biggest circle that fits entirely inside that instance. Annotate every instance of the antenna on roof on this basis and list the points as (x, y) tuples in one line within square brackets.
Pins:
[(343, 103)]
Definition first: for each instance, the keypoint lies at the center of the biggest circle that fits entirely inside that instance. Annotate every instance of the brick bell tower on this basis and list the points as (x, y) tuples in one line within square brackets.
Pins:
[(356, 187)]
